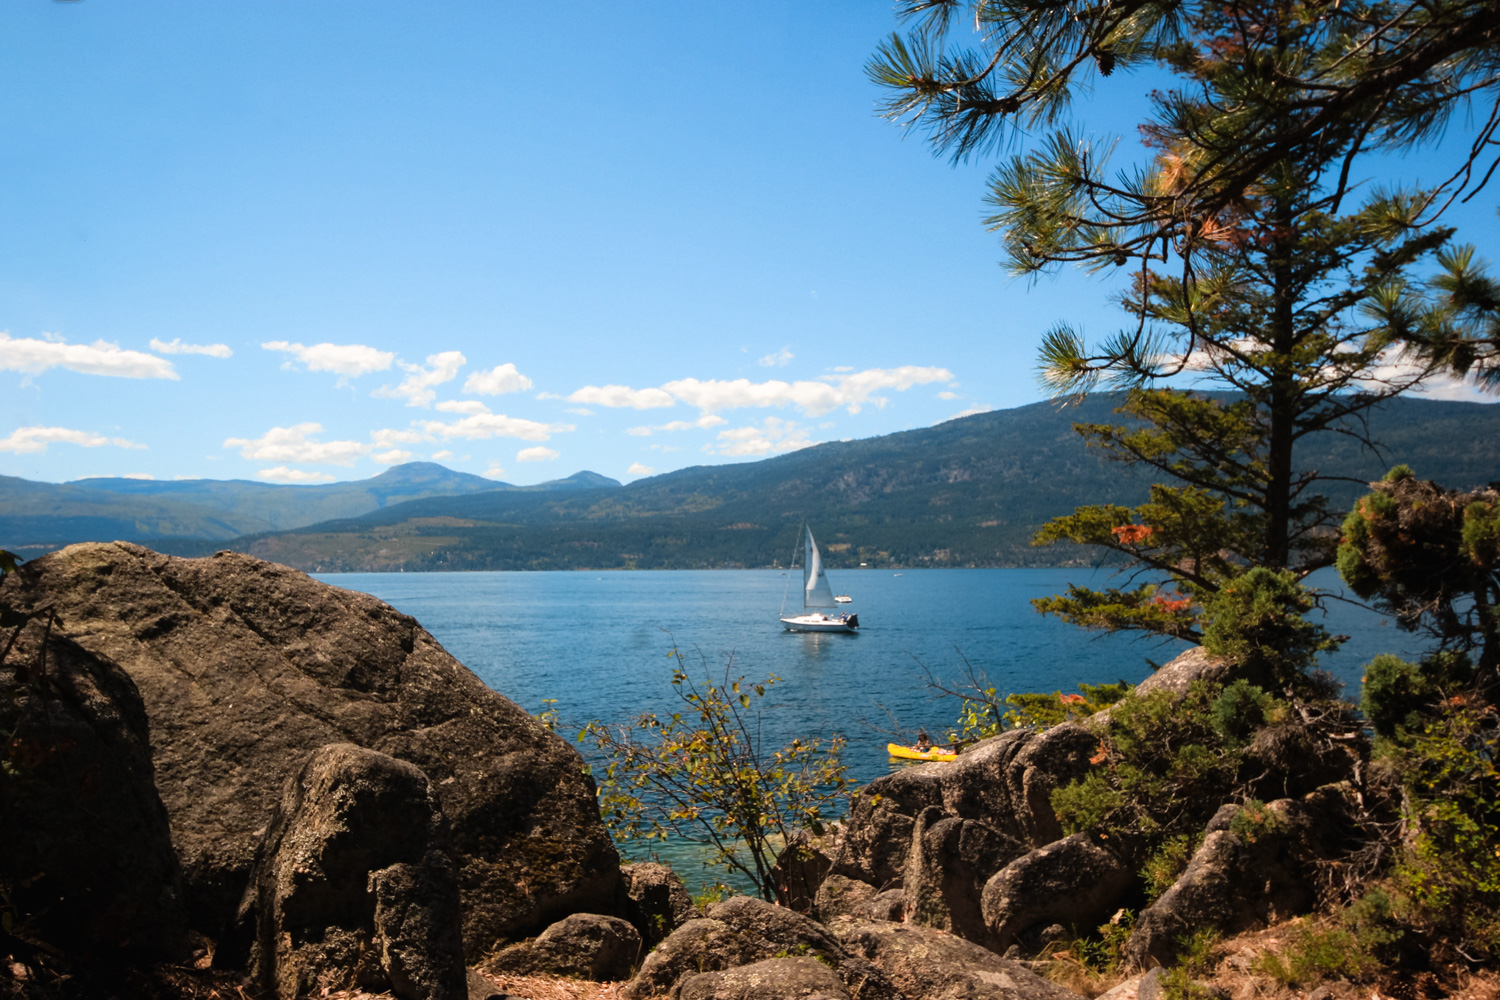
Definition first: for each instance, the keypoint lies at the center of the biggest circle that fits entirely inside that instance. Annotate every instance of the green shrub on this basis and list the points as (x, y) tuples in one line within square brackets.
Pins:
[(1398, 696), (1254, 820), (1358, 945), (1167, 862), (1165, 770), (1258, 619), (1240, 709)]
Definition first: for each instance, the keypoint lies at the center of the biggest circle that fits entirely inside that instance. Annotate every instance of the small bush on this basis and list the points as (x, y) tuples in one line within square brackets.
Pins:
[(1166, 864), (1254, 821), (1240, 709)]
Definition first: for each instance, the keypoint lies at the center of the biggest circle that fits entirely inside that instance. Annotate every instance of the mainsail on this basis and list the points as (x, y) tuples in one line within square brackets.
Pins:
[(816, 593)]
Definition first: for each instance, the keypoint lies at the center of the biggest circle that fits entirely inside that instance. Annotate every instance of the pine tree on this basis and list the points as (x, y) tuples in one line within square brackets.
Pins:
[(1250, 274)]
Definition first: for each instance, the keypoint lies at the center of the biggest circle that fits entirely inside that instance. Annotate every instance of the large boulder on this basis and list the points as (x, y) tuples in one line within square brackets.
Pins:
[(245, 667), (656, 901), (802, 866), (741, 931), (85, 849), (841, 896), (790, 978), (926, 964), (1072, 881), (1264, 868), (1006, 782), (354, 886), (582, 946), (951, 859)]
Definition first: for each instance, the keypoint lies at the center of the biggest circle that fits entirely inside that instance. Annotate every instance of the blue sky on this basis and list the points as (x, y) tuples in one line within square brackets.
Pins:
[(303, 242)]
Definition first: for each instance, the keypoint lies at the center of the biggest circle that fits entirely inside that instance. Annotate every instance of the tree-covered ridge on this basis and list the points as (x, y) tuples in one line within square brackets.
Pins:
[(969, 492)]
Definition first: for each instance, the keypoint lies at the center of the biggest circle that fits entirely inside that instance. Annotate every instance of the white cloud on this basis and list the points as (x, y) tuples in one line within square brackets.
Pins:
[(637, 469), (622, 396), (774, 434), (176, 346), (497, 381), (347, 360), (470, 406), (972, 411), (781, 357), (30, 440), (815, 398), (26, 354), (537, 454), (495, 471), (945, 394), (393, 457), (439, 456), (417, 387), (582, 411), (294, 444), (139, 475), (488, 425), (388, 437), (702, 423), (282, 474)]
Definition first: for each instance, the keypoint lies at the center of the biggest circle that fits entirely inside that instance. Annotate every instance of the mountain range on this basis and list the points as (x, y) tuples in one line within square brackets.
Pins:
[(968, 492)]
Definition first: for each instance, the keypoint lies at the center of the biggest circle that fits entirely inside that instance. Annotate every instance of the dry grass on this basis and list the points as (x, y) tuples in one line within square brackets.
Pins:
[(1234, 970)]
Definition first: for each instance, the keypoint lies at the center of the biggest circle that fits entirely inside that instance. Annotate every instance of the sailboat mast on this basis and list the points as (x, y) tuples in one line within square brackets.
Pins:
[(790, 565)]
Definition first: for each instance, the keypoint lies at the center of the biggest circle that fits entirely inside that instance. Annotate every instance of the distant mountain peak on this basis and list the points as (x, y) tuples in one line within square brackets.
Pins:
[(580, 480)]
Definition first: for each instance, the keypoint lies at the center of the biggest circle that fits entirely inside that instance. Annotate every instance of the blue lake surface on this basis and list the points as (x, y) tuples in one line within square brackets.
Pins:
[(599, 642)]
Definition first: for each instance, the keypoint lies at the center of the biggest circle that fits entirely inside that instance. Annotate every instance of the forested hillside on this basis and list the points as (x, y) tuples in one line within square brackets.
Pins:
[(968, 492)]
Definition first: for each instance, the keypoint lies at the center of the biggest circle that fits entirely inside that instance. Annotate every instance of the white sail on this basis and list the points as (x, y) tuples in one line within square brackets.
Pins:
[(816, 593)]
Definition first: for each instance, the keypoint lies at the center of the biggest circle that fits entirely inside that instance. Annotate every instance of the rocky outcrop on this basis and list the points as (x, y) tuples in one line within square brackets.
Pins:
[(951, 859), (1240, 880), (85, 848), (773, 979), (926, 964), (1006, 782), (1072, 881), (583, 945), (245, 667), (841, 896), (741, 931), (354, 886), (657, 903), (801, 868)]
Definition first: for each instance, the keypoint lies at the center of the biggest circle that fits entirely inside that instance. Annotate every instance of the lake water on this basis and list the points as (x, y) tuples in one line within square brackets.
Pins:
[(599, 642)]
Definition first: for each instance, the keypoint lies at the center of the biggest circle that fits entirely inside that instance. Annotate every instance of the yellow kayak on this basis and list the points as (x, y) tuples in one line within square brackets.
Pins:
[(912, 753)]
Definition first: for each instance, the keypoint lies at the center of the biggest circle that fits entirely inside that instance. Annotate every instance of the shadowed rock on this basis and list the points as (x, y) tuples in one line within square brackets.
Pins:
[(85, 850), (1072, 881), (245, 667), (354, 887), (926, 964), (583, 945), (772, 979), (657, 903), (1238, 881), (741, 931), (951, 860), (801, 868)]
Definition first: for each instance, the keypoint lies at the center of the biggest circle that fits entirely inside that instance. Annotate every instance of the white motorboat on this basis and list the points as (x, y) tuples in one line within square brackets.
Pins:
[(816, 595)]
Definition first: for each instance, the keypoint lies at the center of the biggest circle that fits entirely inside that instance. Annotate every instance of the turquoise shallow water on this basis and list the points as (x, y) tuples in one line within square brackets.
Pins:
[(599, 642)]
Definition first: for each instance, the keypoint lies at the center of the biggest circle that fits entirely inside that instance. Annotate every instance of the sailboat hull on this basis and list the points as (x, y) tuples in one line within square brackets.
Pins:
[(820, 623)]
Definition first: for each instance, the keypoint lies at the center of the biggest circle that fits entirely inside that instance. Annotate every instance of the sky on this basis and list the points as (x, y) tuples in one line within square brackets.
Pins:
[(301, 243)]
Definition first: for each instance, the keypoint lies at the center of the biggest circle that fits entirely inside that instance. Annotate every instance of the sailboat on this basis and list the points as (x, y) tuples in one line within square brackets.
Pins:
[(816, 594)]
